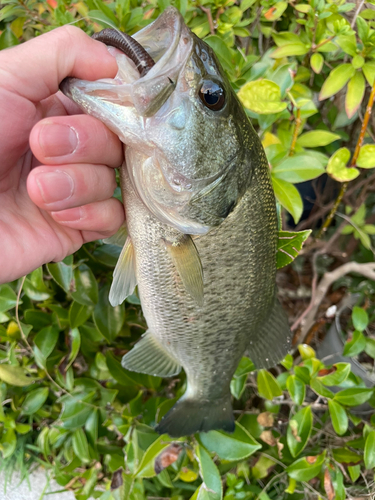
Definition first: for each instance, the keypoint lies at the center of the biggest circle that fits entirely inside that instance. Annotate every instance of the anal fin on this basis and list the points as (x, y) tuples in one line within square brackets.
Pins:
[(271, 341), (148, 356), (188, 264), (124, 279), (119, 238)]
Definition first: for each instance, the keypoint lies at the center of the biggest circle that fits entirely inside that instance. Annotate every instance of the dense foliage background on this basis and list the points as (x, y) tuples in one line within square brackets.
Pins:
[(305, 73)]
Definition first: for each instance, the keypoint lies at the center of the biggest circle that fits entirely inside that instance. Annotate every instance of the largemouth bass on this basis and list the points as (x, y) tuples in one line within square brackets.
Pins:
[(201, 221)]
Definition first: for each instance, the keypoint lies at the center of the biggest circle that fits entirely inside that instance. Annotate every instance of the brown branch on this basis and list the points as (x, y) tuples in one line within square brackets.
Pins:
[(353, 162), (208, 12), (308, 317)]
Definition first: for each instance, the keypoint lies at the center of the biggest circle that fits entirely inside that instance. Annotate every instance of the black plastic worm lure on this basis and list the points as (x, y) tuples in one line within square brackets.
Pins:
[(128, 46)]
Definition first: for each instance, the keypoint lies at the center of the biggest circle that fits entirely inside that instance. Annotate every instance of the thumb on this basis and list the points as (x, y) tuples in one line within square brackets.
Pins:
[(34, 69)]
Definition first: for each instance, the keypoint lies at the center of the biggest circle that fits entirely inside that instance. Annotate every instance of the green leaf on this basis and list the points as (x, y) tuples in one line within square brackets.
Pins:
[(369, 453), (353, 396), (306, 468), (345, 456), (14, 375), (62, 274), (317, 138), (316, 62), (86, 286), (359, 318), (339, 417), (80, 445), (8, 443), (355, 93), (75, 344), (262, 96), (370, 347), (369, 71), (34, 400), (366, 158), (236, 446), (108, 319), (8, 298), (126, 377), (147, 466), (268, 386), (348, 44), (354, 472), (238, 382), (210, 475), (320, 389), (8, 38), (298, 168), (299, 430), (78, 314), (290, 49), (221, 50), (44, 344), (355, 345), (289, 197), (339, 375), (297, 389), (276, 12), (337, 169), (336, 80), (289, 245)]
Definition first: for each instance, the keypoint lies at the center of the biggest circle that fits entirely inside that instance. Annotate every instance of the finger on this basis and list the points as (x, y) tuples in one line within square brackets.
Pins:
[(58, 188), (104, 217), (75, 139), (49, 58)]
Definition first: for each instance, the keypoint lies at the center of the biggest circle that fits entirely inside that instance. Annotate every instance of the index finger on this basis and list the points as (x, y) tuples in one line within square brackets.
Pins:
[(49, 58)]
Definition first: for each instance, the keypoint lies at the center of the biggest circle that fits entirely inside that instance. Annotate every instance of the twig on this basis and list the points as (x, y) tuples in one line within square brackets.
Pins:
[(308, 317), (297, 126), (208, 12), (352, 24), (344, 185)]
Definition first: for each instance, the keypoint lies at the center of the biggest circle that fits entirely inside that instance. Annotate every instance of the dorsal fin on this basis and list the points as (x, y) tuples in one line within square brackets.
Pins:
[(124, 280), (186, 259)]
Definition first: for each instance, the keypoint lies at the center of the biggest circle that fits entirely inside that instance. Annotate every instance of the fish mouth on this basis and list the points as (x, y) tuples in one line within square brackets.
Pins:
[(168, 42)]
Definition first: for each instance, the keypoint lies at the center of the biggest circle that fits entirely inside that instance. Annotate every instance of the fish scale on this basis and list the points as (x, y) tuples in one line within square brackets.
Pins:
[(201, 221)]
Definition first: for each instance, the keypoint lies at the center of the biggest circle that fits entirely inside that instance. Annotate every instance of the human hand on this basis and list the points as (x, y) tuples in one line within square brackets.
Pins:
[(57, 173)]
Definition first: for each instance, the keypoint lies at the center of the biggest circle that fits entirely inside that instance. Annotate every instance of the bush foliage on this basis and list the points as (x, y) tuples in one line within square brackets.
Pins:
[(305, 73)]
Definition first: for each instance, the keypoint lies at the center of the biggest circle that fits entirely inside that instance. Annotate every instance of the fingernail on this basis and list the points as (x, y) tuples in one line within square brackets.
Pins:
[(69, 215), (55, 186), (56, 139)]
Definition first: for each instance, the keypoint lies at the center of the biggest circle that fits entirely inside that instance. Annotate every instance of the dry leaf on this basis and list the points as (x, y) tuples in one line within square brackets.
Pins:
[(167, 457), (328, 486), (268, 438), (265, 419)]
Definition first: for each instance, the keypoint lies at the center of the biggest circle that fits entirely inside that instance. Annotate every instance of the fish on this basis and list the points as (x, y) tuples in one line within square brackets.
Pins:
[(201, 220)]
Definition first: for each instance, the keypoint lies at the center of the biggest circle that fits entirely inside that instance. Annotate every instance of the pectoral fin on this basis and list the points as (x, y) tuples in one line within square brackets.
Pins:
[(271, 341), (124, 280), (119, 238), (148, 356), (188, 264)]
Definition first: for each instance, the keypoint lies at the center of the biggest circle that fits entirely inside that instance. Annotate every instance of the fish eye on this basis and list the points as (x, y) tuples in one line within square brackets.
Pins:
[(212, 95)]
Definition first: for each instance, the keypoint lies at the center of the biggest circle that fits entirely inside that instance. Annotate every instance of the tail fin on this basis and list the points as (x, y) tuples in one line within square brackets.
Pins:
[(190, 415)]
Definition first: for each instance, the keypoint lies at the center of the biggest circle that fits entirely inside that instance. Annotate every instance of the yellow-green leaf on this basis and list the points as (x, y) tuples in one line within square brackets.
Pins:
[(289, 197), (316, 138), (336, 80), (355, 93), (366, 157), (288, 246), (268, 386), (262, 96), (369, 72), (337, 168), (369, 454), (14, 375), (316, 62)]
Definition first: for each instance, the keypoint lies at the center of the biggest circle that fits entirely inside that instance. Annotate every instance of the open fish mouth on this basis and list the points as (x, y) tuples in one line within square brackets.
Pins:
[(147, 72)]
